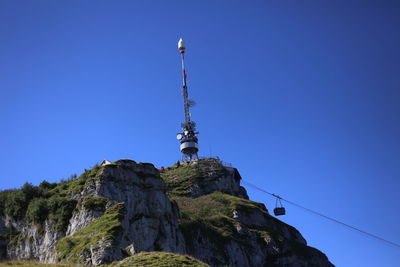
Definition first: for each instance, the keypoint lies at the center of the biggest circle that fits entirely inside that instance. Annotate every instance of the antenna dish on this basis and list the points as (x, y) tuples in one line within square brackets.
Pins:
[(191, 103), (179, 136)]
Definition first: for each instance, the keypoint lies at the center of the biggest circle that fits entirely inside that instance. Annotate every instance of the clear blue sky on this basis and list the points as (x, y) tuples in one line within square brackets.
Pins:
[(301, 96)]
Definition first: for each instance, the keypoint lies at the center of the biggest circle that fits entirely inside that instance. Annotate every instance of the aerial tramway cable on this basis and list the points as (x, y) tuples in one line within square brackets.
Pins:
[(324, 216)]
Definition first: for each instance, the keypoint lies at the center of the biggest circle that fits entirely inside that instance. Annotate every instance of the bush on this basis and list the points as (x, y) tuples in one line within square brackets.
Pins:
[(3, 198), (61, 210), (16, 201), (37, 210), (95, 203), (45, 187), (30, 191), (16, 205)]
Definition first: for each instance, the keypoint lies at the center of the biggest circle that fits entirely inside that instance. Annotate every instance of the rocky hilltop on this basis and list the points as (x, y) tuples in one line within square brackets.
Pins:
[(123, 208)]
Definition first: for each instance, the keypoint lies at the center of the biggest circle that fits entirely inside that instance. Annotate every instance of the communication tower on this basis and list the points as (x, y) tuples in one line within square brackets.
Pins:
[(188, 137)]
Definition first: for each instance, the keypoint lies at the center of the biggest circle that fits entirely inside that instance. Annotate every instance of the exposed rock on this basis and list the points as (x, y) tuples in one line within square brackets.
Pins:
[(222, 227), (251, 237), (149, 220), (124, 208), (81, 219), (33, 241)]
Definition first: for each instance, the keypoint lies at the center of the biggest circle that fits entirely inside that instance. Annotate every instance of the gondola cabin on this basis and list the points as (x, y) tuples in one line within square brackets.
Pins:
[(279, 211)]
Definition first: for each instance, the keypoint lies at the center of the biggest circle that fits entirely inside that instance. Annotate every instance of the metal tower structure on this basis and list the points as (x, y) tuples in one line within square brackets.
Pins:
[(188, 137)]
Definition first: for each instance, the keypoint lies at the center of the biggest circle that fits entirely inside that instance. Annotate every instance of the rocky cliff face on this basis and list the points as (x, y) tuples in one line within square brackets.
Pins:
[(124, 208), (121, 208)]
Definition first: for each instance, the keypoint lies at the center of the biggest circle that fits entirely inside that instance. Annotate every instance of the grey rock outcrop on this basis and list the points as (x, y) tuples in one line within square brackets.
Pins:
[(223, 228), (34, 242), (226, 180), (82, 218), (122, 208), (286, 247), (150, 221)]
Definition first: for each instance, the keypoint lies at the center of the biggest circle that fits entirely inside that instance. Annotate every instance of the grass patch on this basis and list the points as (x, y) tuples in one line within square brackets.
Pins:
[(212, 215), (36, 264), (213, 204), (94, 203), (159, 259), (150, 259), (73, 187), (102, 230), (180, 177)]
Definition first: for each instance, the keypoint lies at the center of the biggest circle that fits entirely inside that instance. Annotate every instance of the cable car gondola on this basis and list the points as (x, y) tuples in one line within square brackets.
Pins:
[(279, 209)]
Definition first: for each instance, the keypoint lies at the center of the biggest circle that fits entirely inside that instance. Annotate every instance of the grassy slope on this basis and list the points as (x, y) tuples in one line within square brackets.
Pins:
[(179, 178), (212, 214), (103, 229), (159, 259), (150, 259), (34, 264)]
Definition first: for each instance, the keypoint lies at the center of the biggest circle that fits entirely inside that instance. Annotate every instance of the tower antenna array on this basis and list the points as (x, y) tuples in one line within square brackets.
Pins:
[(188, 137)]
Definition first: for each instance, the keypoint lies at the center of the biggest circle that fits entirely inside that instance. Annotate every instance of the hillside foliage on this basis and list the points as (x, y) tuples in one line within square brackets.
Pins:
[(55, 201)]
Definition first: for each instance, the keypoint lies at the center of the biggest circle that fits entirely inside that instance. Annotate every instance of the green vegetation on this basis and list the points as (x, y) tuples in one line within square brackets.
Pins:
[(37, 210), (212, 215), (35, 264), (61, 209), (15, 204), (179, 178), (49, 200), (207, 219), (14, 239), (94, 203), (74, 186), (102, 230), (16, 201), (150, 259), (123, 161), (3, 198), (159, 259)]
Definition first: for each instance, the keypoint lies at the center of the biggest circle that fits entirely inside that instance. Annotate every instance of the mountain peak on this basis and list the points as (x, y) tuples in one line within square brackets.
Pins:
[(122, 208)]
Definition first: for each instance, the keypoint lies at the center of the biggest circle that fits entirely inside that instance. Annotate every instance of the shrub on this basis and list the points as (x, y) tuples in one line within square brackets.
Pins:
[(61, 209), (37, 210), (16, 204), (16, 201), (30, 191), (45, 187), (94, 203), (3, 198)]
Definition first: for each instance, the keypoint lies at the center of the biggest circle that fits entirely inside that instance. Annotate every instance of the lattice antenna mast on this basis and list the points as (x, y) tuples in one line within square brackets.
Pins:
[(188, 139), (182, 48)]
